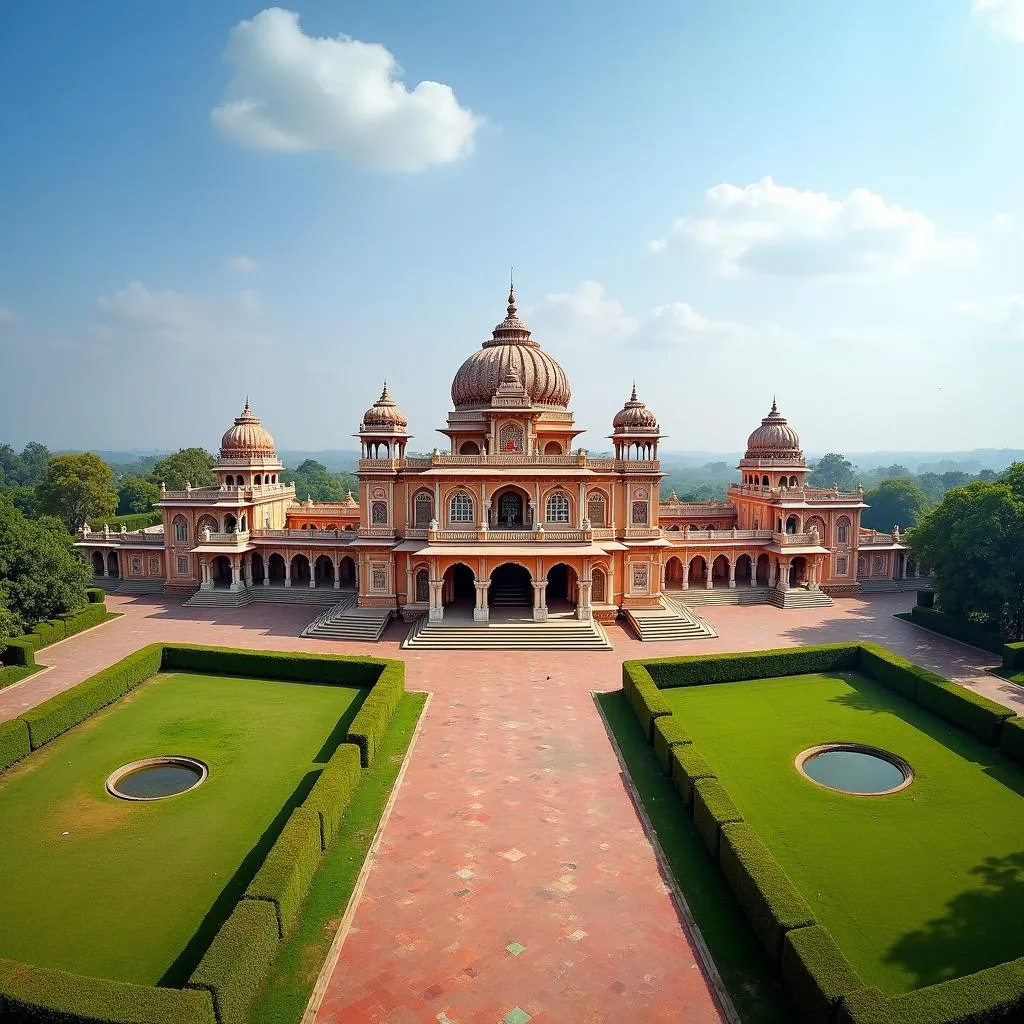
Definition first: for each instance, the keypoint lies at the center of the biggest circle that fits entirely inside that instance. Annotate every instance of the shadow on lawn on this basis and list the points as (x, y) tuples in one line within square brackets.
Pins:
[(956, 944), (181, 970)]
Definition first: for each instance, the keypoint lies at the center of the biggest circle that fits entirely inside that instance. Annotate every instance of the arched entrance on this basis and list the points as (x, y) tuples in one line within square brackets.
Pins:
[(798, 571), (674, 573), (698, 571), (509, 508), (113, 566), (97, 563), (599, 588), (720, 571), (744, 568), (275, 569), (221, 571), (792, 524), (347, 571), (324, 571), (423, 586), (511, 587), (230, 523), (258, 569), (561, 585), (459, 585), (763, 569), (300, 570)]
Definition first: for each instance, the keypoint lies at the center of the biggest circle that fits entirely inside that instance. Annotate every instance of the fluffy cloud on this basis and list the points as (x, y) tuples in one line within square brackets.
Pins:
[(1005, 16), (243, 264), (1001, 316), (1002, 222), (7, 316), (292, 92), (583, 317), (138, 315), (774, 229)]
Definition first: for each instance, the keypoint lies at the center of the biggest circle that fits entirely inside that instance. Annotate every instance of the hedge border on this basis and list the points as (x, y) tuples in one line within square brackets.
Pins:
[(20, 650), (814, 969), (1013, 657), (955, 628), (224, 985)]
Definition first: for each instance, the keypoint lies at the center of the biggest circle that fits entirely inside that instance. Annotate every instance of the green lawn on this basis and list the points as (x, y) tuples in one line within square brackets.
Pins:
[(135, 891), (916, 887)]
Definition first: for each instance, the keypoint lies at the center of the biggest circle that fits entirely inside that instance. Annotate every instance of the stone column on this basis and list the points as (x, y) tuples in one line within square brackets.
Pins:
[(903, 567), (813, 585), (686, 575), (336, 565), (540, 607), (784, 574), (204, 568), (480, 612), (753, 572), (287, 572), (103, 571), (710, 570), (236, 575), (732, 573), (266, 571), (436, 611), (583, 608), (312, 570)]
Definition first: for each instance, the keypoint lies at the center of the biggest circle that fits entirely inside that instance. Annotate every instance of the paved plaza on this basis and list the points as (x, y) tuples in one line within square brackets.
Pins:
[(514, 881)]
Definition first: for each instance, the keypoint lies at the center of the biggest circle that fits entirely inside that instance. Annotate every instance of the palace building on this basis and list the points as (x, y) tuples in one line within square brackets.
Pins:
[(512, 520)]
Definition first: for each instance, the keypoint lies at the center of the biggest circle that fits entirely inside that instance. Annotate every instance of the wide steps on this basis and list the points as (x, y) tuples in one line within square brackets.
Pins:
[(673, 621), (326, 597), (345, 621), (741, 594), (800, 598), (895, 586), (141, 587), (562, 635), (219, 599)]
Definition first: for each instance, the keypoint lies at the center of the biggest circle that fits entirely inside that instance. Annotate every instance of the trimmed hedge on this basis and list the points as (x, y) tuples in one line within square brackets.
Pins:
[(816, 973), (712, 808), (964, 630), (971, 711), (38, 995), (926, 598), (95, 595), (1013, 657), (19, 650), (232, 969), (1011, 739), (648, 704), (67, 709), (331, 793), (770, 901), (285, 877), (889, 669), (14, 742), (373, 718), (85, 618), (631, 672), (992, 996), (700, 669), (688, 767), (668, 733)]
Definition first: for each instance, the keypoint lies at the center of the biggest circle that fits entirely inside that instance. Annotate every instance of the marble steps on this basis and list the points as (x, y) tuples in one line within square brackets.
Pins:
[(141, 587), (895, 586), (742, 594), (555, 634), (672, 622), (345, 621), (326, 597), (800, 598), (219, 598)]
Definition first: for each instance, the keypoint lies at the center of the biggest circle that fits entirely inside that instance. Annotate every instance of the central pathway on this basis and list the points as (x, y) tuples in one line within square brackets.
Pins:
[(514, 880)]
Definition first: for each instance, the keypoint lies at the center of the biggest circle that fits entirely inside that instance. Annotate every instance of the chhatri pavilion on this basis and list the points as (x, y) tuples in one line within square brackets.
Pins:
[(511, 519)]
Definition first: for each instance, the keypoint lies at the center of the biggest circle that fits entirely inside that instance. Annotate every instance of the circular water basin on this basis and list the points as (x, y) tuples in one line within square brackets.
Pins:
[(855, 768), (155, 778)]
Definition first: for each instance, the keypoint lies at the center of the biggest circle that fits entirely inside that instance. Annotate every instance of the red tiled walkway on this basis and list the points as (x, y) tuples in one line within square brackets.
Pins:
[(514, 880)]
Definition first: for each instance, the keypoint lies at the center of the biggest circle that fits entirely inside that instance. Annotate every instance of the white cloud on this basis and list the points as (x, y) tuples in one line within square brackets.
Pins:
[(1005, 16), (1001, 316), (243, 264), (291, 92), (138, 315), (583, 317), (7, 316), (1002, 222), (774, 229), (679, 325)]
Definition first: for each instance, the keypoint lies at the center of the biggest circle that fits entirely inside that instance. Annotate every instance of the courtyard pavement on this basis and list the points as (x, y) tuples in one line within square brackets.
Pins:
[(514, 881)]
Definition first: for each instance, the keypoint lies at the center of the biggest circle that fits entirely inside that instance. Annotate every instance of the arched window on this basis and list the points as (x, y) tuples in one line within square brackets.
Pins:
[(207, 523), (510, 437), (461, 508), (422, 585), (552, 448), (640, 515), (258, 480), (423, 509), (180, 530), (596, 509), (556, 510), (792, 481), (599, 587), (240, 482), (229, 480), (469, 448), (764, 481), (379, 513), (843, 530)]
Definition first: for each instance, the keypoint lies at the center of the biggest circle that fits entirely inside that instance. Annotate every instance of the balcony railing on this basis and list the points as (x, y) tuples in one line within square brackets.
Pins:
[(238, 538), (310, 536), (510, 460), (819, 495), (868, 538), (691, 536), (214, 494), (794, 539), (116, 537)]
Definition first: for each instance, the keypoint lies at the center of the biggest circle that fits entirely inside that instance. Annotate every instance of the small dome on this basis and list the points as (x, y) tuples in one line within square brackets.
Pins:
[(634, 416), (774, 439), (247, 438), (511, 350), (384, 414)]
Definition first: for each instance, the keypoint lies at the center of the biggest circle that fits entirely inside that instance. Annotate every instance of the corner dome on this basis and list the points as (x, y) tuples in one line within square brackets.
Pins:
[(635, 417), (511, 350), (774, 439), (247, 438), (384, 414)]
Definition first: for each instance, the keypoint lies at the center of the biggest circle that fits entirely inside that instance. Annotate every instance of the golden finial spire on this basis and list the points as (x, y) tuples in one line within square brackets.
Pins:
[(511, 292), (632, 397)]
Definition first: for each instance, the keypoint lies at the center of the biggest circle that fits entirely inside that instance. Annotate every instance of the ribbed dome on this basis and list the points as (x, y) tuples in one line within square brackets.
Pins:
[(635, 416), (247, 438), (511, 349), (384, 414), (774, 439)]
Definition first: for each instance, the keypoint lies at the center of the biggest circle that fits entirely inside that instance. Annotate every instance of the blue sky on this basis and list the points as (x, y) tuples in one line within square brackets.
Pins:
[(722, 200)]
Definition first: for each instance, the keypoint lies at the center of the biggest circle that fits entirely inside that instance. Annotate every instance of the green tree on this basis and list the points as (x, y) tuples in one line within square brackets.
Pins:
[(833, 470), (955, 478), (314, 480), (136, 495), (34, 459), (9, 625), (894, 502), (24, 499), (76, 488), (41, 575), (971, 540), (188, 465), (1013, 477), (932, 485)]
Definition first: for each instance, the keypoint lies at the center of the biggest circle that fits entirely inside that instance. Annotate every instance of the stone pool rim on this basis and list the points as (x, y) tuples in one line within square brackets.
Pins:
[(181, 760), (856, 748)]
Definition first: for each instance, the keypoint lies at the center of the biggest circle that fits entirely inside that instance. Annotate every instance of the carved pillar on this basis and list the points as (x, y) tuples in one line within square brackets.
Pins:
[(236, 576), (753, 572), (266, 571), (287, 572), (312, 570), (204, 568), (732, 573), (480, 612), (436, 612), (540, 607), (710, 571), (784, 574), (686, 574), (583, 609), (103, 559)]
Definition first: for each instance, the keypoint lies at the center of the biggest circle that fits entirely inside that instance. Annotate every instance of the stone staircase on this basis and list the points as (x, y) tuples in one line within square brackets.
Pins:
[(219, 598), (323, 597), (346, 621), (694, 597), (560, 633), (895, 586), (673, 621), (140, 587), (798, 597)]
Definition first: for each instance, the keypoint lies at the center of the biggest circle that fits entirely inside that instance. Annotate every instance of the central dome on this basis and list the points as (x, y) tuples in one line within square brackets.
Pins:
[(774, 439), (511, 349), (247, 438)]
